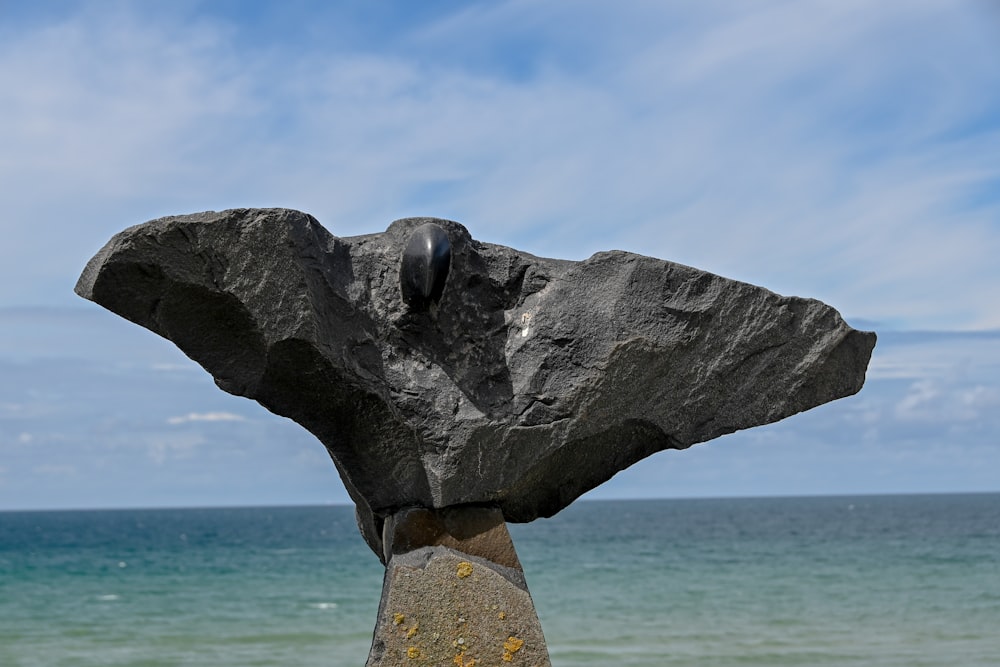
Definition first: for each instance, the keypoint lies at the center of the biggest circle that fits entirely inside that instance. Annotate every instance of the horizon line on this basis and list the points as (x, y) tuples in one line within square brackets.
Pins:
[(877, 494)]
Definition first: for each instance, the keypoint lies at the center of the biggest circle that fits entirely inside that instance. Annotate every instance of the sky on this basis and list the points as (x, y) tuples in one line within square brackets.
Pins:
[(847, 151)]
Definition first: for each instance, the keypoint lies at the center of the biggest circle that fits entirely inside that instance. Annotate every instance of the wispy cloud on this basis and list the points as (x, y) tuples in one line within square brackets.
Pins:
[(943, 402), (172, 368), (939, 356), (206, 417)]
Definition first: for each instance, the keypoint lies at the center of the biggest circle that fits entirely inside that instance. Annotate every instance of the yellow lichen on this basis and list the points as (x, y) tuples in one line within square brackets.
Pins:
[(412, 631), (502, 615), (413, 652), (397, 619), (511, 646), (464, 569), (462, 662)]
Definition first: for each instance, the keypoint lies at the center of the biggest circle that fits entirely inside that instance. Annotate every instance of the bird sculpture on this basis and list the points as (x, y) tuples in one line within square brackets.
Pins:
[(458, 385)]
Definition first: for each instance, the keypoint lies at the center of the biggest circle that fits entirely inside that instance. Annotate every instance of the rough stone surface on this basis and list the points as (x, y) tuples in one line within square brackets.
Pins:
[(442, 607), (476, 531), (526, 383)]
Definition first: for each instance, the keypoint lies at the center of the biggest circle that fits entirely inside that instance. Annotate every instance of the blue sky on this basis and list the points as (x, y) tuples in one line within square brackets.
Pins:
[(847, 151)]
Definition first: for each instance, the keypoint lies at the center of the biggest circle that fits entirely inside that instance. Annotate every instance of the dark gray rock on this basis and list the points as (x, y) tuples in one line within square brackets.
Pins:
[(521, 384)]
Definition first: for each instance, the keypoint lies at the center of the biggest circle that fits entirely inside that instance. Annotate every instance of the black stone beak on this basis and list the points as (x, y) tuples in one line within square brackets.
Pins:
[(424, 266)]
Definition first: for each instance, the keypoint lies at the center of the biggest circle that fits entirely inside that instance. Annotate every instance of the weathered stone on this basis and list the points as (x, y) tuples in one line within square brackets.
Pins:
[(476, 531), (442, 607), (521, 384)]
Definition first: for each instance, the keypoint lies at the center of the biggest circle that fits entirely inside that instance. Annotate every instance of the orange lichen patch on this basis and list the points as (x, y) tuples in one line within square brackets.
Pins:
[(413, 653), (513, 644), (510, 647), (502, 615), (464, 569), (412, 631), (462, 662), (397, 619)]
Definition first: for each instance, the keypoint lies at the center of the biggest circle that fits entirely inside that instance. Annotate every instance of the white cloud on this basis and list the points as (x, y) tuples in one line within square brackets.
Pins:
[(206, 417), (944, 402), (921, 402), (979, 398), (880, 369), (172, 368), (949, 357)]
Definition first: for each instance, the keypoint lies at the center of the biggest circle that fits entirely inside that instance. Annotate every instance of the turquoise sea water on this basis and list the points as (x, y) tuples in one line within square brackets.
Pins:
[(874, 581)]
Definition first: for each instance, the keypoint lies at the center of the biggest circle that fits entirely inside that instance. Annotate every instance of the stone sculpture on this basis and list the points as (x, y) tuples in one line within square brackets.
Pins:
[(459, 385)]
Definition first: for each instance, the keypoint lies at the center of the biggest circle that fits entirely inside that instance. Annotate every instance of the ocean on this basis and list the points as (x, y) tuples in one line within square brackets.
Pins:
[(873, 581)]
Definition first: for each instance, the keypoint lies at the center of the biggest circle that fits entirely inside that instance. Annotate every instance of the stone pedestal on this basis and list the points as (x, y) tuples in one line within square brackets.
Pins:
[(446, 600)]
